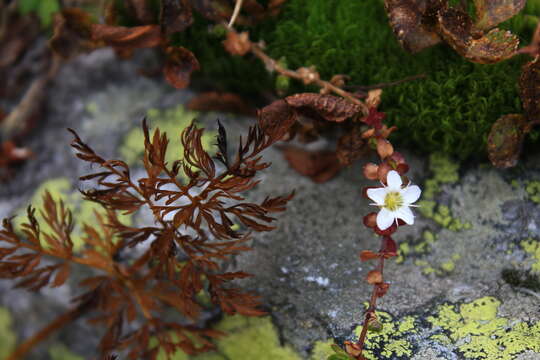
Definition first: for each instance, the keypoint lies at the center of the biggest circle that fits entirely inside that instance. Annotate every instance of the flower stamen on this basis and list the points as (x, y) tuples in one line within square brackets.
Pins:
[(393, 201)]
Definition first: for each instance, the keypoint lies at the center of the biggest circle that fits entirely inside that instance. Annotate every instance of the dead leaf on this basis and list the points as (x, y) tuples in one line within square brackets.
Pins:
[(179, 65), (20, 32), (490, 13), (127, 38), (409, 24), (175, 16), (140, 10), (351, 146), (237, 43), (277, 118), (221, 102), (328, 107), (320, 166), (456, 26), (495, 46), (529, 85), (72, 33), (505, 140)]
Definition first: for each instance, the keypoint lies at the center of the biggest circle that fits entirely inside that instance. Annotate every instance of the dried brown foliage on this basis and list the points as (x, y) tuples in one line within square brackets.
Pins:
[(419, 24), (182, 251)]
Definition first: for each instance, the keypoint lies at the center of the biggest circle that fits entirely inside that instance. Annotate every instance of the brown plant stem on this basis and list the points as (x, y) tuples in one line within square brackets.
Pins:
[(236, 12), (274, 65), (44, 333), (371, 308)]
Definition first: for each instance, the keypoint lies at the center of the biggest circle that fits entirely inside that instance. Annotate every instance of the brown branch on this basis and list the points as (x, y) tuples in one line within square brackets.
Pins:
[(44, 333), (236, 12)]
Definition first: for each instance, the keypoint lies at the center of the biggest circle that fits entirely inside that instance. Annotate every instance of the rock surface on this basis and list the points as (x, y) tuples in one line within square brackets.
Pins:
[(458, 291)]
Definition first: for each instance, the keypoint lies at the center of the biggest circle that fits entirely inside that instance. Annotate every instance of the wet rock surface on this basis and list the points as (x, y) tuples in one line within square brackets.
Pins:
[(447, 300)]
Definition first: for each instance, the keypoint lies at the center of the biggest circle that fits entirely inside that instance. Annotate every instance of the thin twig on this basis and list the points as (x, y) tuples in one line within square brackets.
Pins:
[(386, 84), (236, 12)]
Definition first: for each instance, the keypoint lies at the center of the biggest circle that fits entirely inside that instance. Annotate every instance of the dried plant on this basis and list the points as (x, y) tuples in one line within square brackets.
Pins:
[(182, 251)]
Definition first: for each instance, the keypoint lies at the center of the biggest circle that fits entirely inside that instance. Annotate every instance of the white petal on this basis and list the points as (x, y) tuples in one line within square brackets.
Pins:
[(404, 213), (377, 195), (393, 180), (411, 194), (385, 218)]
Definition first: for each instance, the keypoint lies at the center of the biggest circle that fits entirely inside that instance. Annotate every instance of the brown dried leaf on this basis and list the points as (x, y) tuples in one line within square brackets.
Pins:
[(411, 25), (351, 146), (179, 65), (127, 38), (175, 16), (61, 275), (493, 47), (72, 33), (19, 33), (141, 10), (366, 255), (505, 140), (320, 166), (10, 154), (456, 27), (529, 85), (237, 43), (328, 107), (276, 119), (221, 102), (374, 277), (490, 13)]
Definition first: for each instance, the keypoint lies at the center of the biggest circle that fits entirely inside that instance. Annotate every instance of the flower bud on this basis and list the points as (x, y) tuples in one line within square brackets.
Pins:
[(384, 148), (370, 171), (370, 220), (382, 171)]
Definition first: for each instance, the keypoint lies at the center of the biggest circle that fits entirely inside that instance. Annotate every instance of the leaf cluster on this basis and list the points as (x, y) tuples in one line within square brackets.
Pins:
[(175, 263)]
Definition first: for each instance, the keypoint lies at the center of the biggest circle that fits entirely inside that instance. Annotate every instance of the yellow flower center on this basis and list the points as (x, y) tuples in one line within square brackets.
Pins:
[(393, 201)]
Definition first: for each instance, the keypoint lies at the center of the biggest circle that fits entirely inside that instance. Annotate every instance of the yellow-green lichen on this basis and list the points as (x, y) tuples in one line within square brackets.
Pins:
[(172, 121), (247, 338), (477, 332), (61, 352), (532, 247), (7, 336), (392, 341), (83, 211), (322, 350), (533, 190), (444, 171)]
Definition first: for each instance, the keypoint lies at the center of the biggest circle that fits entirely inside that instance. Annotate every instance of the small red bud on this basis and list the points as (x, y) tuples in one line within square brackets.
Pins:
[(370, 220), (384, 148), (371, 171)]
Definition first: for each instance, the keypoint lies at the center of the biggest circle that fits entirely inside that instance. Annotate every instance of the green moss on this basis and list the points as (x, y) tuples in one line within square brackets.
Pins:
[(61, 352), (322, 350), (172, 121), (7, 336), (44, 9), (83, 211), (452, 110)]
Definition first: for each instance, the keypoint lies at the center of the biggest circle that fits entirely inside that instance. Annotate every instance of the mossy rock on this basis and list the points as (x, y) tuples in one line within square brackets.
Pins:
[(451, 110)]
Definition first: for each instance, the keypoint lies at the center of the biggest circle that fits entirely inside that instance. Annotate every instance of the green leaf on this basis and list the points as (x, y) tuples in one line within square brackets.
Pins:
[(44, 9)]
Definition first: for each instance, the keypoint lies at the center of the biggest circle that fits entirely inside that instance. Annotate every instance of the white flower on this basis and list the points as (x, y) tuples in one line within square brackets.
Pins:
[(394, 201)]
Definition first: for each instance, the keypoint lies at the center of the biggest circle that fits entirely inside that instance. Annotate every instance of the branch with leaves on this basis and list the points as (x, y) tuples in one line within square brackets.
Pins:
[(183, 251)]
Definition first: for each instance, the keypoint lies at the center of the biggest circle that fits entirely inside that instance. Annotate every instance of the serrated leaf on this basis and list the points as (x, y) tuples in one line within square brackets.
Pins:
[(490, 13)]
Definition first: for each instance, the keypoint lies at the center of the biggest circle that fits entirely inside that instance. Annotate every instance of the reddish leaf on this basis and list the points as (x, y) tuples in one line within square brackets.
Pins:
[(72, 33), (374, 118), (179, 65), (175, 16), (374, 277), (382, 289), (328, 107), (127, 38), (505, 140), (320, 166), (237, 43), (221, 102), (490, 13), (366, 255), (389, 247)]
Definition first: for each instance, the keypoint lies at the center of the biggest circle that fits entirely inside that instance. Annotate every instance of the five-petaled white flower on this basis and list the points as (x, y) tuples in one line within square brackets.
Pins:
[(394, 201)]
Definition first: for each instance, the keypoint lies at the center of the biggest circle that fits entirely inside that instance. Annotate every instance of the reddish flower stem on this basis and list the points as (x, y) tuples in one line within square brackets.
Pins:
[(371, 308)]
